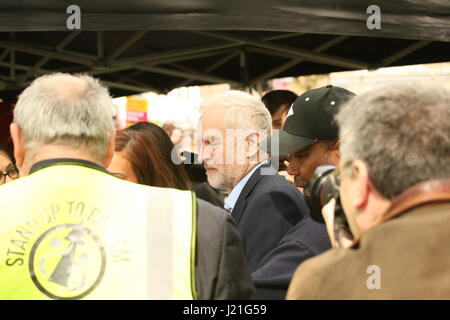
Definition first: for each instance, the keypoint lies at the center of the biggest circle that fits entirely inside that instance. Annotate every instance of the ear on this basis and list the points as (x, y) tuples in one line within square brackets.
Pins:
[(335, 154), (110, 149), (336, 146), (19, 144), (253, 144), (361, 184)]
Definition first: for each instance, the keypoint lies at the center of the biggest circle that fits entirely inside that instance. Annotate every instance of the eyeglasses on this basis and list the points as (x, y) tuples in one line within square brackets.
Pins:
[(11, 171)]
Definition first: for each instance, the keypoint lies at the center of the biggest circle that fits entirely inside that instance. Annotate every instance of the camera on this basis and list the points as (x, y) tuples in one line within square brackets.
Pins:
[(319, 190)]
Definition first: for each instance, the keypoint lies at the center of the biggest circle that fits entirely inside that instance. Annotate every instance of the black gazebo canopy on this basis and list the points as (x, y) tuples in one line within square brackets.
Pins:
[(141, 45)]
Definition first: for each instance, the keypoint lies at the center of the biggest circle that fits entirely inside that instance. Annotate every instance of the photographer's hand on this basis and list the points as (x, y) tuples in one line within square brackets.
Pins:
[(328, 216), (289, 178), (345, 241)]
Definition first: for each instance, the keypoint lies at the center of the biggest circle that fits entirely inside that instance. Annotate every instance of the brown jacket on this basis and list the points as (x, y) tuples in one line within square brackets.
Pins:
[(412, 253)]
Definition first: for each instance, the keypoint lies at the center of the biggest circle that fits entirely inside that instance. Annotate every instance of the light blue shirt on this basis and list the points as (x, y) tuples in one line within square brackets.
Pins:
[(230, 202)]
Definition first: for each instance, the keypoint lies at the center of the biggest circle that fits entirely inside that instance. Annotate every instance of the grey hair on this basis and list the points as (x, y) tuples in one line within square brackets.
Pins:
[(242, 111), (401, 131), (68, 110)]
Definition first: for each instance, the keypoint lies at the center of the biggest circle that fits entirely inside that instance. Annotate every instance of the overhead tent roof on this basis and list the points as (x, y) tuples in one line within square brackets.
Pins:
[(162, 45)]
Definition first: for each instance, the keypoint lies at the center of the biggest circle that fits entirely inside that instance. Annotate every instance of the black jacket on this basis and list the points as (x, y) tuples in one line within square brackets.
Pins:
[(273, 275), (204, 191), (267, 208), (221, 270)]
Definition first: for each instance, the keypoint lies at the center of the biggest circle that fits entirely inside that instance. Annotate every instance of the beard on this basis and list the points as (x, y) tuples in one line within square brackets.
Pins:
[(299, 182), (223, 177)]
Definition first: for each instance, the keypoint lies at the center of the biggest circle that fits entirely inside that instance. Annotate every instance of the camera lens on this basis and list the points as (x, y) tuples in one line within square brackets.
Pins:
[(323, 187)]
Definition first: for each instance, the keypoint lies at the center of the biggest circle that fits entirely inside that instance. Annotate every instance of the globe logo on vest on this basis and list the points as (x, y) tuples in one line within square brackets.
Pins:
[(67, 262)]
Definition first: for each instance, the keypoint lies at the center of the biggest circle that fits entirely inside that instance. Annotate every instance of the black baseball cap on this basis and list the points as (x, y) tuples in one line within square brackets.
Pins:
[(310, 119)]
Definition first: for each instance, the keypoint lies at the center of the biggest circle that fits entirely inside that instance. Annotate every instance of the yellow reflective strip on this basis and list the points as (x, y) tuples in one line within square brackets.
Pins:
[(193, 247), (160, 230), (181, 249)]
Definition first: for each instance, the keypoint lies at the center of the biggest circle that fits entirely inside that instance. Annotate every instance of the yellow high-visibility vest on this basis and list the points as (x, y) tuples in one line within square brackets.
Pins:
[(70, 231)]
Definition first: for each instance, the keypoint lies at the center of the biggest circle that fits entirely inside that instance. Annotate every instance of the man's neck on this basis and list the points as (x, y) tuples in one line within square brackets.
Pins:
[(244, 171), (54, 152), (373, 216)]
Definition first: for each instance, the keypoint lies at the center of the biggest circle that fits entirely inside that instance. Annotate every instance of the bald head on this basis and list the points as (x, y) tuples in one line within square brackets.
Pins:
[(68, 110), (65, 86)]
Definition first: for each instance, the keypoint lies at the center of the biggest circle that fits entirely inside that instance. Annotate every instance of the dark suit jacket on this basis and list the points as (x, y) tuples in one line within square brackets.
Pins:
[(273, 275), (221, 270), (267, 208)]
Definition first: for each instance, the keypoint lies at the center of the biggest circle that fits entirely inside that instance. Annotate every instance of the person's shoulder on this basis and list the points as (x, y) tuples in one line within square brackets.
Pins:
[(274, 183), (308, 234), (275, 180), (336, 265), (210, 214), (325, 261), (14, 184), (23, 186), (320, 272), (273, 193), (279, 190)]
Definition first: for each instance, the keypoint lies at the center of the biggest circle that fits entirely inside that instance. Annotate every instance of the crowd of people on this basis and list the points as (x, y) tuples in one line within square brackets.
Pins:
[(91, 212)]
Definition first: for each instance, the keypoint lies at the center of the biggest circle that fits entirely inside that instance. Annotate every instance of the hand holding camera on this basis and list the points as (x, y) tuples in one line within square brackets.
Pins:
[(322, 197)]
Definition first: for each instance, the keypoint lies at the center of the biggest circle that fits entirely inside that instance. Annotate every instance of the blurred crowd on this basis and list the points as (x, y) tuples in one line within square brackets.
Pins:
[(248, 214)]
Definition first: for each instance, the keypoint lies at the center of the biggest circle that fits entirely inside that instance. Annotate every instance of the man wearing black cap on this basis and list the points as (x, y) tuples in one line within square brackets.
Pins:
[(310, 135), (310, 139)]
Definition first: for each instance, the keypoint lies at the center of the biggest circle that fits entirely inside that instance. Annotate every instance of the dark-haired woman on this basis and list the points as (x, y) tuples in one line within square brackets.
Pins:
[(144, 156)]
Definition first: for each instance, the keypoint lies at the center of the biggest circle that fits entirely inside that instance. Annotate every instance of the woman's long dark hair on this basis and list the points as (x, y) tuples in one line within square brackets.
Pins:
[(148, 148)]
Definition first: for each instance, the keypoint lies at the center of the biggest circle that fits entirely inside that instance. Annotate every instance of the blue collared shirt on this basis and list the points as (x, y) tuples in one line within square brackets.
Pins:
[(230, 202)]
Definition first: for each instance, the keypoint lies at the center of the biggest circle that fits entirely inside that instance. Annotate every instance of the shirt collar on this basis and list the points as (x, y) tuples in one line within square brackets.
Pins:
[(65, 161), (232, 198)]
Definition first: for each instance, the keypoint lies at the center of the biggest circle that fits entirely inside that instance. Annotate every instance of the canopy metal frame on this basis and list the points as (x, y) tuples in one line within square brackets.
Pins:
[(227, 47)]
